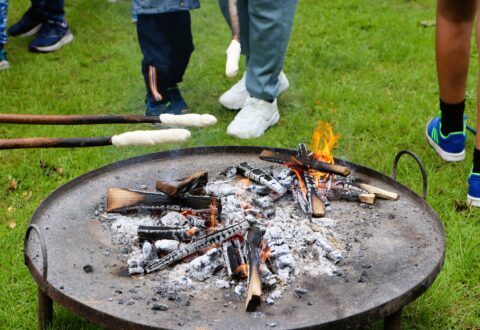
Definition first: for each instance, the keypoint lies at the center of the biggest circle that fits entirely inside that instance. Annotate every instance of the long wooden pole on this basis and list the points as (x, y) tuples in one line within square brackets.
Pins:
[(55, 142), (6, 118)]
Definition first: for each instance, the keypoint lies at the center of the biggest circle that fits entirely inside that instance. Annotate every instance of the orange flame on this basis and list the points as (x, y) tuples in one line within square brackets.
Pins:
[(323, 140), (300, 180), (264, 252)]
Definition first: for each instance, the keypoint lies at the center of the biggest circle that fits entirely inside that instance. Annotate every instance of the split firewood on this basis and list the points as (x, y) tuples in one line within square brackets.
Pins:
[(120, 200), (317, 206), (381, 193), (158, 233), (254, 291), (199, 222), (282, 158), (195, 246), (189, 184), (261, 177)]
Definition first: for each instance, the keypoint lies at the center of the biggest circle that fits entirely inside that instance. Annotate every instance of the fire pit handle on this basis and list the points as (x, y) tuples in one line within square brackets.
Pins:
[(420, 164), (44, 252)]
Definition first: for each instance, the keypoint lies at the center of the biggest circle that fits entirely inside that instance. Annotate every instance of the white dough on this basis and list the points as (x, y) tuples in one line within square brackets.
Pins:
[(233, 57), (191, 119), (150, 138)]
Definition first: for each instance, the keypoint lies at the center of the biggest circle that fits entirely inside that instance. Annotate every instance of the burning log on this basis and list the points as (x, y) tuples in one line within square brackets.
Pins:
[(261, 177), (190, 184), (233, 256), (302, 151), (204, 242), (158, 233), (281, 158), (203, 267), (254, 292), (124, 200), (317, 207)]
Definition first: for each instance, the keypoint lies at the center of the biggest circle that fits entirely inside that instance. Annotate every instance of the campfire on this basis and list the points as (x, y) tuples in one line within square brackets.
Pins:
[(250, 229)]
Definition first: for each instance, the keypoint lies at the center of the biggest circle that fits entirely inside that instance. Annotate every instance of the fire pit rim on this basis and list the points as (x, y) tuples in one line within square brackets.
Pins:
[(362, 318)]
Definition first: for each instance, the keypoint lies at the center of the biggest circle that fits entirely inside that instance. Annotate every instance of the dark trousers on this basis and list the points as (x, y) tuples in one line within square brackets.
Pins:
[(49, 9), (166, 43)]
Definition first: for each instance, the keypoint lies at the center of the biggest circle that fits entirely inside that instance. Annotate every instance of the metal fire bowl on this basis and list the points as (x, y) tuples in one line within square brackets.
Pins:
[(405, 249)]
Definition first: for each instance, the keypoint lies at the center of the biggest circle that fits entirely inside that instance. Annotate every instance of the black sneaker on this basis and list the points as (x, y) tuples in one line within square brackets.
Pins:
[(27, 26), (52, 36)]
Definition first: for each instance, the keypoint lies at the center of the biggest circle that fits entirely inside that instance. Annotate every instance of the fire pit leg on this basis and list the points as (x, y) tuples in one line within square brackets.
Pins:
[(45, 309), (393, 321)]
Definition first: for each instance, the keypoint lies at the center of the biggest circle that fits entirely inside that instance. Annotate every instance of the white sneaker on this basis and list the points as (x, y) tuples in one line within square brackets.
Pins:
[(254, 119), (235, 97)]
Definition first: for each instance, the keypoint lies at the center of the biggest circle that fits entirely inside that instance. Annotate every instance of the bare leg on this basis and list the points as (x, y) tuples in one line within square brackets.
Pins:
[(455, 21)]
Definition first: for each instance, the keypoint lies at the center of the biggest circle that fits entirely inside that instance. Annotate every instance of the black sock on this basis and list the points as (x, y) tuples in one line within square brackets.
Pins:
[(476, 161), (1, 47), (452, 117)]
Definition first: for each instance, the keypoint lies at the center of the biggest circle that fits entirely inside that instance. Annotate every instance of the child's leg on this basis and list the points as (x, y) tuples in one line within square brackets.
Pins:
[(154, 32), (182, 47), (3, 22), (455, 21)]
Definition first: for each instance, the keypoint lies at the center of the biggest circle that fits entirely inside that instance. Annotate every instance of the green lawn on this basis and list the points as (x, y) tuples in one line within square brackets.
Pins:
[(365, 66)]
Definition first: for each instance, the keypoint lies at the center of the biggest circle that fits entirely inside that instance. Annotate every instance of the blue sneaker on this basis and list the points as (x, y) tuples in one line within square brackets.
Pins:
[(157, 108), (52, 36), (3, 60), (178, 105), (450, 148), (473, 197), (28, 25)]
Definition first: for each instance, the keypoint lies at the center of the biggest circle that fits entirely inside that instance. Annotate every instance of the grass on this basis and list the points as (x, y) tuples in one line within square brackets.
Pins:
[(366, 67)]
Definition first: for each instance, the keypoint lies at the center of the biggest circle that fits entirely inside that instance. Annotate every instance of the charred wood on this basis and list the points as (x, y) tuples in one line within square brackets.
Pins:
[(261, 177), (121, 200), (192, 184), (204, 242), (282, 158), (159, 233)]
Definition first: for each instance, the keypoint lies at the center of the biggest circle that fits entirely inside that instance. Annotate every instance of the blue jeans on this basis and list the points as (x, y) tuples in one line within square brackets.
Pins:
[(3, 21), (49, 10)]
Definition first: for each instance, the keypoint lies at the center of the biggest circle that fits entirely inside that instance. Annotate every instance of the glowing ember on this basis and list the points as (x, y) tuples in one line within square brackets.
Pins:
[(242, 270), (264, 252), (245, 182)]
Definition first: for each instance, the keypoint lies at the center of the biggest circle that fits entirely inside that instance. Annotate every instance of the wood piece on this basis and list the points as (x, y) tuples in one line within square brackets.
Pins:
[(6, 118), (120, 200), (55, 142), (195, 181), (316, 205), (351, 196), (282, 158), (261, 177), (232, 253), (254, 291), (159, 233), (195, 246), (379, 192)]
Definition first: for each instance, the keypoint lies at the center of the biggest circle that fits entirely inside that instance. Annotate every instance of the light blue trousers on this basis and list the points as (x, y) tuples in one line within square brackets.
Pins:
[(3, 21), (265, 27)]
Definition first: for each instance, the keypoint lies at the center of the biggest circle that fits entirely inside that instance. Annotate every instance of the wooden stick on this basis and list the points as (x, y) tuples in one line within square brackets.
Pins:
[(192, 182), (382, 193), (281, 158), (254, 292), (198, 120), (136, 138)]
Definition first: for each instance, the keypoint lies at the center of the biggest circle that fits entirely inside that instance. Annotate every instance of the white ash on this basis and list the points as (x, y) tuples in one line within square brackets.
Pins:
[(222, 189), (240, 289), (173, 219), (205, 266), (222, 284), (165, 246)]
